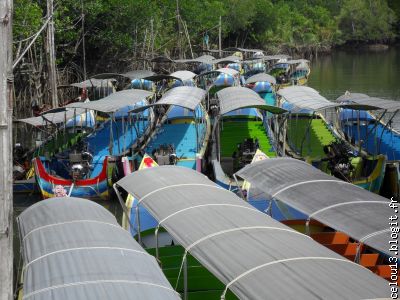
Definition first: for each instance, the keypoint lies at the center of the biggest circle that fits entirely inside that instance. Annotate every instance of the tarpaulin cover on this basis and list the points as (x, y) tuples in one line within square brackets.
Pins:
[(341, 205), (372, 102), (232, 98), (115, 101), (55, 118), (185, 96), (74, 249), (303, 97), (255, 256), (261, 77)]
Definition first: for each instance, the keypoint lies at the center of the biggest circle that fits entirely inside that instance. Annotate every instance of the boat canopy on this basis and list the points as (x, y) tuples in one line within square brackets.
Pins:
[(53, 117), (183, 75), (297, 61), (227, 71), (185, 96), (138, 74), (228, 59), (235, 97), (74, 249), (115, 101), (205, 59), (248, 251), (95, 83), (303, 97), (233, 49), (341, 205), (370, 102), (159, 77), (276, 57), (261, 77)]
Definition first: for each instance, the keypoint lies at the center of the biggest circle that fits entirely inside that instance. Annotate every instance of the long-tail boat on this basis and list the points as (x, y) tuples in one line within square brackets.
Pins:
[(309, 136), (85, 170), (353, 222), (213, 245), (239, 130)]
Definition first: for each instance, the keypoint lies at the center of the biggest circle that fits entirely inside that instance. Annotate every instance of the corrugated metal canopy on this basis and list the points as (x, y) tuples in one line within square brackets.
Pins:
[(232, 49), (370, 102), (235, 97), (184, 96), (159, 77), (74, 249), (55, 118), (93, 82), (138, 74), (261, 77), (338, 204), (228, 59), (255, 256), (115, 101), (303, 97), (183, 75), (206, 59)]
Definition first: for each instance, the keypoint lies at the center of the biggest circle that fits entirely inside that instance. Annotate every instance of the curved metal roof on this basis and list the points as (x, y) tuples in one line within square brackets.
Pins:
[(206, 59), (115, 101), (228, 59), (55, 118), (303, 97), (74, 249), (252, 254), (235, 97), (184, 96), (370, 102), (159, 77), (341, 205), (183, 75), (93, 82), (138, 74), (261, 77)]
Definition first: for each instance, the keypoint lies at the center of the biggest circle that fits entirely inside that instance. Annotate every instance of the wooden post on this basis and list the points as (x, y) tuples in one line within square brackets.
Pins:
[(6, 102), (83, 42), (220, 37), (51, 56)]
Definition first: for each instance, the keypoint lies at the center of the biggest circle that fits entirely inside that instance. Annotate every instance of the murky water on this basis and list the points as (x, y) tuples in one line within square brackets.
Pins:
[(375, 73)]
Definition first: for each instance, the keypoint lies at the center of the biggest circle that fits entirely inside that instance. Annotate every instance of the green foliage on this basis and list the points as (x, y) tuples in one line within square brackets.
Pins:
[(116, 29), (361, 20)]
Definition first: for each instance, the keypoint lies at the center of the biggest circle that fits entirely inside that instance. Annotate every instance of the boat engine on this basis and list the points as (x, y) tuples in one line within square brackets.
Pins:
[(80, 165), (165, 155), (339, 156)]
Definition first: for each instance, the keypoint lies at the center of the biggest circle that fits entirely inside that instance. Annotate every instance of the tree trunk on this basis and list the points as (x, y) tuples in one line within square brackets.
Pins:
[(6, 206)]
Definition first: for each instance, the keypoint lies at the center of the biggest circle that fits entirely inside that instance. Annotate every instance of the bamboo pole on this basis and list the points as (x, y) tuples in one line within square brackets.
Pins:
[(51, 56), (6, 200)]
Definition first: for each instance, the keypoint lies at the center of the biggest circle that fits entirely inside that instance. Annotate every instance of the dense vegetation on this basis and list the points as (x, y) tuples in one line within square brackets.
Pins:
[(118, 28), (119, 33)]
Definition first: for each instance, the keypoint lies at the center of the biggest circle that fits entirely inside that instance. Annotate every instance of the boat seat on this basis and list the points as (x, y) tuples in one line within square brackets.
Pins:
[(369, 259), (330, 237), (383, 271), (347, 249)]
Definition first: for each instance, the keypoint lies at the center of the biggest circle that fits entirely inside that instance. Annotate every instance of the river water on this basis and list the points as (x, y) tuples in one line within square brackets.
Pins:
[(375, 73)]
